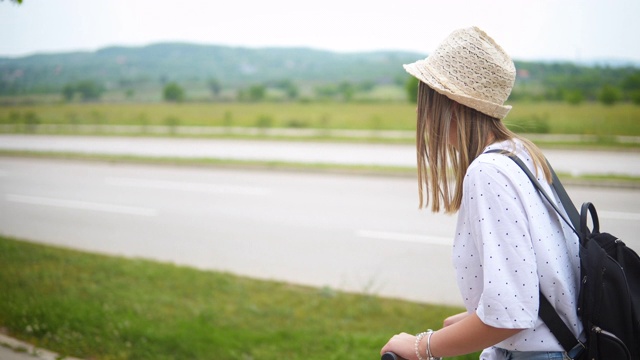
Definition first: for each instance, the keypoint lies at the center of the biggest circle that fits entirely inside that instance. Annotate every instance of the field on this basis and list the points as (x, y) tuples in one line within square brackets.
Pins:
[(100, 307), (316, 115), (545, 117), (584, 119)]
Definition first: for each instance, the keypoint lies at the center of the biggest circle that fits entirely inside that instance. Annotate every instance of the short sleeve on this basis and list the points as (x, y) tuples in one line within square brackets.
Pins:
[(499, 228)]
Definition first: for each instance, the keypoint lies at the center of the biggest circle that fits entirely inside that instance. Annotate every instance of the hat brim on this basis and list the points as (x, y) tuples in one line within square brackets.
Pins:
[(420, 70)]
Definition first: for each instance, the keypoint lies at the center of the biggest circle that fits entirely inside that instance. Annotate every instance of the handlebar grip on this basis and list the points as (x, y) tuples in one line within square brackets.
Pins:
[(389, 356)]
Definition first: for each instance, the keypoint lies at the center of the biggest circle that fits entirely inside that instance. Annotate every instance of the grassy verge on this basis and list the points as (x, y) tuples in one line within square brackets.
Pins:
[(101, 307), (248, 164), (586, 179), (572, 141)]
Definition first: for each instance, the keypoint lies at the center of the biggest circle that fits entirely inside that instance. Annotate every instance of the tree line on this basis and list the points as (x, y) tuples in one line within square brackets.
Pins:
[(535, 82), (575, 84), (573, 90), (287, 90)]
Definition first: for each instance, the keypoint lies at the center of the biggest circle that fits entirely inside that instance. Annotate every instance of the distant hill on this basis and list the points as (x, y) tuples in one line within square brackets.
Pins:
[(231, 66), (148, 68)]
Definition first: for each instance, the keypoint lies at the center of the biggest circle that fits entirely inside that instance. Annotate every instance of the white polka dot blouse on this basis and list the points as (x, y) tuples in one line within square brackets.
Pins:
[(508, 242)]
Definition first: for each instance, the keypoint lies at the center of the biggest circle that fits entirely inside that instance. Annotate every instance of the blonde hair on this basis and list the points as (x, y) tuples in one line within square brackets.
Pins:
[(441, 166)]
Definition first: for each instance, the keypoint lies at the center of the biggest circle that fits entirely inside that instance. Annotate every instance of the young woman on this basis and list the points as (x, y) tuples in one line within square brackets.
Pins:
[(509, 243)]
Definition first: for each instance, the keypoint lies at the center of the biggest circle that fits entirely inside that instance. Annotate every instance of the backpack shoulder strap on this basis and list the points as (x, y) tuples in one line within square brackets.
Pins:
[(567, 204), (547, 312), (574, 217), (554, 322)]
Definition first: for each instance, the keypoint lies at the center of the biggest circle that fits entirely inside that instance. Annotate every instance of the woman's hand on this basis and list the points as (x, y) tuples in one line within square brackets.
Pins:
[(403, 345)]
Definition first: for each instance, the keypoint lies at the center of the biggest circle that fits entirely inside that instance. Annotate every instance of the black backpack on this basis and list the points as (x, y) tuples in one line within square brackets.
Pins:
[(609, 298)]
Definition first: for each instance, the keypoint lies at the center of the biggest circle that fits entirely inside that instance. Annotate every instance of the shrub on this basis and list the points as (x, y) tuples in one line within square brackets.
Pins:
[(88, 90), (264, 121), (296, 123), (574, 97), (609, 95), (412, 89), (635, 97), (173, 92)]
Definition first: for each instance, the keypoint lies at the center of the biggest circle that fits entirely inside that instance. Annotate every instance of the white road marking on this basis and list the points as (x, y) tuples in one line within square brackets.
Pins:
[(81, 205), (394, 236), (435, 240), (615, 215), (186, 186)]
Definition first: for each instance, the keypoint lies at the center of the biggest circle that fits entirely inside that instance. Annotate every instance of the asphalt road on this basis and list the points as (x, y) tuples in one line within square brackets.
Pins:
[(347, 232)]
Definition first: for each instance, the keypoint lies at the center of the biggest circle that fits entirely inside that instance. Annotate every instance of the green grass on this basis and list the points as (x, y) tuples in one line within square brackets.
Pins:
[(313, 115), (100, 307), (545, 117)]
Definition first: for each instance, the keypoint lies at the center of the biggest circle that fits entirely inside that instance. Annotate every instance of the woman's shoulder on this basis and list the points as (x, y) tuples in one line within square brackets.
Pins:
[(498, 164), (508, 147)]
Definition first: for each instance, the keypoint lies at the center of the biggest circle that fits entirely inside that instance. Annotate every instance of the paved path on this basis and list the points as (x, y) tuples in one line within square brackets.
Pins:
[(576, 162), (13, 349)]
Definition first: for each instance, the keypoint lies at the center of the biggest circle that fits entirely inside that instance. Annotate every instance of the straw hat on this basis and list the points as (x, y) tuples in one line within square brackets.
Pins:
[(471, 68)]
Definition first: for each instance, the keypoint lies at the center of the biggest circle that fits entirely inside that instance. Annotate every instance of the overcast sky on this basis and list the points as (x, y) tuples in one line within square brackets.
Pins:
[(573, 30)]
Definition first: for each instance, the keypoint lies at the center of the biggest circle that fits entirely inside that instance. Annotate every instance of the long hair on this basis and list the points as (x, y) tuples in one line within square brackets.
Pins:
[(441, 166)]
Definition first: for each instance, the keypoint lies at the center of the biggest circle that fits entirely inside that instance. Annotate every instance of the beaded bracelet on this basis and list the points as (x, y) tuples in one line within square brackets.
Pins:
[(418, 339)]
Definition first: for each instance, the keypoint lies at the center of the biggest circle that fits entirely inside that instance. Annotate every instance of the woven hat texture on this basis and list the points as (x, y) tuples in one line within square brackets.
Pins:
[(471, 68)]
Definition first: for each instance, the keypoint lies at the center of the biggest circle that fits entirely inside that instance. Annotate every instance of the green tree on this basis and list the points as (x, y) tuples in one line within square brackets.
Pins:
[(214, 86), (290, 89), (68, 91), (632, 82), (411, 87), (609, 95), (173, 92), (256, 92), (89, 90), (347, 90), (574, 97), (631, 87), (367, 85), (292, 92), (326, 91)]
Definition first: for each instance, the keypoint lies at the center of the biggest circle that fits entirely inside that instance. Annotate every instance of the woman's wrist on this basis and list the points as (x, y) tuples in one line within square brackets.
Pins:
[(430, 355), (424, 345), (419, 349)]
